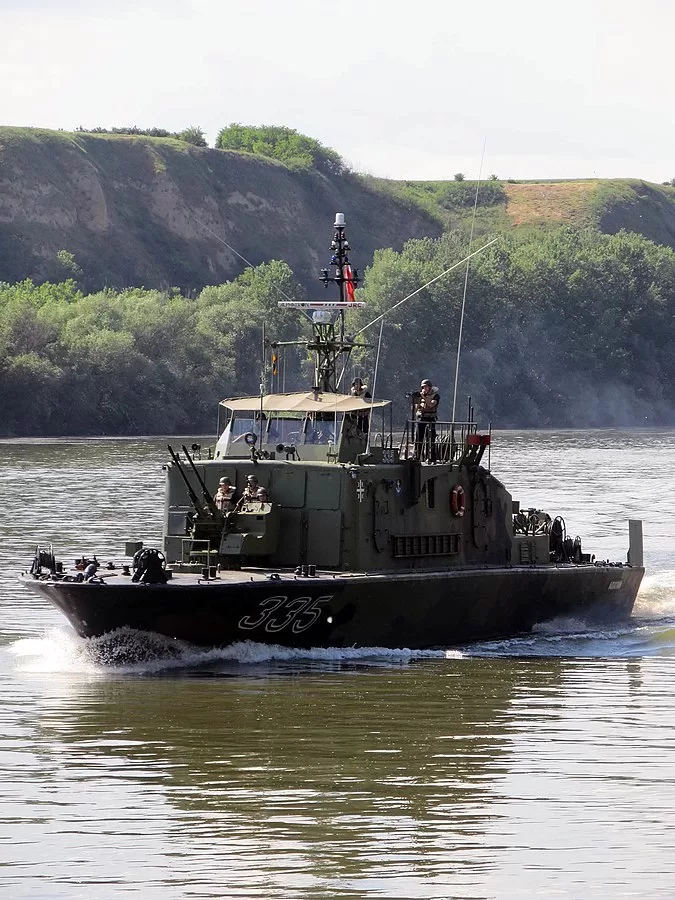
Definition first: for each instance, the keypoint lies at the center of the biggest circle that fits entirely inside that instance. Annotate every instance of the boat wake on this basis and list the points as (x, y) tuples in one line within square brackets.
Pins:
[(126, 651), (568, 638), (650, 631), (656, 599)]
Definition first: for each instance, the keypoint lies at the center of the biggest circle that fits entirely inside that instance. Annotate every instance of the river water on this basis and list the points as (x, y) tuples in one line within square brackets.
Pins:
[(541, 766)]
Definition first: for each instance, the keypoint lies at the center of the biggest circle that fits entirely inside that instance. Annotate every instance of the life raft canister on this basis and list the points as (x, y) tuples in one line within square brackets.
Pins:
[(458, 500)]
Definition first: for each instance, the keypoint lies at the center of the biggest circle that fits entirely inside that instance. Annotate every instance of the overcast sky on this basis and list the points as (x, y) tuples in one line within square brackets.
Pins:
[(580, 88)]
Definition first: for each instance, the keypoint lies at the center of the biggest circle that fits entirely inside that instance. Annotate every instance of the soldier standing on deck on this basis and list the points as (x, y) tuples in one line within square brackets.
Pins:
[(359, 389), (426, 413), (360, 420)]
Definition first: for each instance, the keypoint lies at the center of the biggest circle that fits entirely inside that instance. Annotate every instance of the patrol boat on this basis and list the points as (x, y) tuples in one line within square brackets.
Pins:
[(357, 539)]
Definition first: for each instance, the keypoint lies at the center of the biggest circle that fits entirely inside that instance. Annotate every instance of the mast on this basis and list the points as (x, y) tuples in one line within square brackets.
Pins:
[(329, 343), (344, 274)]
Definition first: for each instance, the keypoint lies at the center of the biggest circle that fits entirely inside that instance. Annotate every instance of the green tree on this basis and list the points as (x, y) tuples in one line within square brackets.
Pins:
[(283, 144), (193, 135), (565, 327), (230, 320), (62, 267), (30, 387)]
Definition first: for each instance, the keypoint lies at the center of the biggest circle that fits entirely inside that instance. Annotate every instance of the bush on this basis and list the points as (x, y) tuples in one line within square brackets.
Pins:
[(193, 135), (462, 195), (283, 144)]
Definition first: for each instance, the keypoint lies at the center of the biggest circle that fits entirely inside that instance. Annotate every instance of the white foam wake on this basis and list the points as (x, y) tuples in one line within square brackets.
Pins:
[(656, 599), (135, 652)]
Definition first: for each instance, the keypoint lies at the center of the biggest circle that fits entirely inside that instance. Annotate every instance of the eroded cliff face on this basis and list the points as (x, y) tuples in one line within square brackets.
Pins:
[(159, 213)]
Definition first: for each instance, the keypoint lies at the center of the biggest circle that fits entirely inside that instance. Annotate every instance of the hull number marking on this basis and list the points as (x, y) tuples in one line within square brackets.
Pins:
[(614, 585), (281, 613)]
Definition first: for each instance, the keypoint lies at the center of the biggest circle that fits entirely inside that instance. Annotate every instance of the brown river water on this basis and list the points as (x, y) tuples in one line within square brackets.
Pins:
[(542, 766)]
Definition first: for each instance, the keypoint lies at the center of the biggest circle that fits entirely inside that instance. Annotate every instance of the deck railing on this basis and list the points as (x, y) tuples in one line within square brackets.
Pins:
[(440, 442)]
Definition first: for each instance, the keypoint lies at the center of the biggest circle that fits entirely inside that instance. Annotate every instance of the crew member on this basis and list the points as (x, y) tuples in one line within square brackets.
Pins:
[(254, 490), (358, 389), (360, 420), (426, 402), (311, 435), (224, 498)]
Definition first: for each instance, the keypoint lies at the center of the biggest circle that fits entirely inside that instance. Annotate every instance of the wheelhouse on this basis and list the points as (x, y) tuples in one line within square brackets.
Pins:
[(313, 425)]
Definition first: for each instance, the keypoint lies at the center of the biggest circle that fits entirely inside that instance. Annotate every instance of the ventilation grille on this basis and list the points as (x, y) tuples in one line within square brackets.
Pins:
[(425, 544)]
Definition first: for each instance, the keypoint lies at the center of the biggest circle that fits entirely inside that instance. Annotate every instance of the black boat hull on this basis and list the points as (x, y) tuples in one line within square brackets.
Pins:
[(416, 610)]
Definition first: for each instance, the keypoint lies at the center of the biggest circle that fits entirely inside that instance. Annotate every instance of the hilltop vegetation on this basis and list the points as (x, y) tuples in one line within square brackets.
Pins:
[(191, 135), (283, 144), (607, 205)]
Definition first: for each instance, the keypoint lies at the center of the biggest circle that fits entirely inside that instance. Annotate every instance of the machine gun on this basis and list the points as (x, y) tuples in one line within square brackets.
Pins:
[(211, 507), (205, 509), (209, 522)]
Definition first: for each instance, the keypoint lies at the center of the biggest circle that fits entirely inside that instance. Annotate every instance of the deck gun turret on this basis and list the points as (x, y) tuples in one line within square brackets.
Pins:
[(209, 522), (211, 508)]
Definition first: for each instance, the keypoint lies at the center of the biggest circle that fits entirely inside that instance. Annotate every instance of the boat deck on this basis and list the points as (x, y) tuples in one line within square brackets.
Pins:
[(273, 576)]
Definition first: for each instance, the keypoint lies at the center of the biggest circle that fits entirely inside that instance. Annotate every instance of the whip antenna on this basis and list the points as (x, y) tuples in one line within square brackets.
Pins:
[(377, 364), (466, 282)]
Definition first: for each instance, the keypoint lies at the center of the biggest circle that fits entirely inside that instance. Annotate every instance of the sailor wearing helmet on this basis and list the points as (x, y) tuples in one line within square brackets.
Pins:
[(224, 498), (254, 490), (360, 420), (359, 389), (426, 413)]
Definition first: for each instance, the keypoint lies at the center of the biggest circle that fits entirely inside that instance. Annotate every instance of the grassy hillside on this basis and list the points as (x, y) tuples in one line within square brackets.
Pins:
[(159, 212), (138, 210), (608, 205)]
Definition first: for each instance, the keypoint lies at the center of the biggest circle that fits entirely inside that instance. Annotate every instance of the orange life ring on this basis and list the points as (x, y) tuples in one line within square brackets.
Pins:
[(458, 500)]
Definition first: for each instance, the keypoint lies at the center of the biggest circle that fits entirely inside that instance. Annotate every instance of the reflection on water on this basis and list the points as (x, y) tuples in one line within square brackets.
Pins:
[(541, 766), (426, 778)]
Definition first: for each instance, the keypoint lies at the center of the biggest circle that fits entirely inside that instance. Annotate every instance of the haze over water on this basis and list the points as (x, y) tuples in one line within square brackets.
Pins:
[(538, 766)]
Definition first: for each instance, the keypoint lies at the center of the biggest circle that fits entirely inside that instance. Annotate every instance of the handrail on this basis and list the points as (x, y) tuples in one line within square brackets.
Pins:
[(434, 441)]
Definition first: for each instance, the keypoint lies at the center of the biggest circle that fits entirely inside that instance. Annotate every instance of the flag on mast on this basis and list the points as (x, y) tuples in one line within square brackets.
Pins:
[(348, 276)]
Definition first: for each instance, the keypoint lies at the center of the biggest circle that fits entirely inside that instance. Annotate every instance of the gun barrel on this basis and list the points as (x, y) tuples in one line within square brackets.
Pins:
[(194, 499), (210, 502)]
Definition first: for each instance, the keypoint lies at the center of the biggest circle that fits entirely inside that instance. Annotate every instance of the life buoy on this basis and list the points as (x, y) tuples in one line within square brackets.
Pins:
[(458, 500), (250, 438)]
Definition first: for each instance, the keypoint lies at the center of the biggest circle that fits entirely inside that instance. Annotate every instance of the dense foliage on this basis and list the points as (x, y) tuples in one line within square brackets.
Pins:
[(283, 144), (569, 328), (566, 328), (138, 361), (191, 135)]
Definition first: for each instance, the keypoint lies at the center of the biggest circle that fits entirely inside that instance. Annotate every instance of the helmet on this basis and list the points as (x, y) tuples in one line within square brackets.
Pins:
[(251, 477), (425, 382), (225, 480)]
